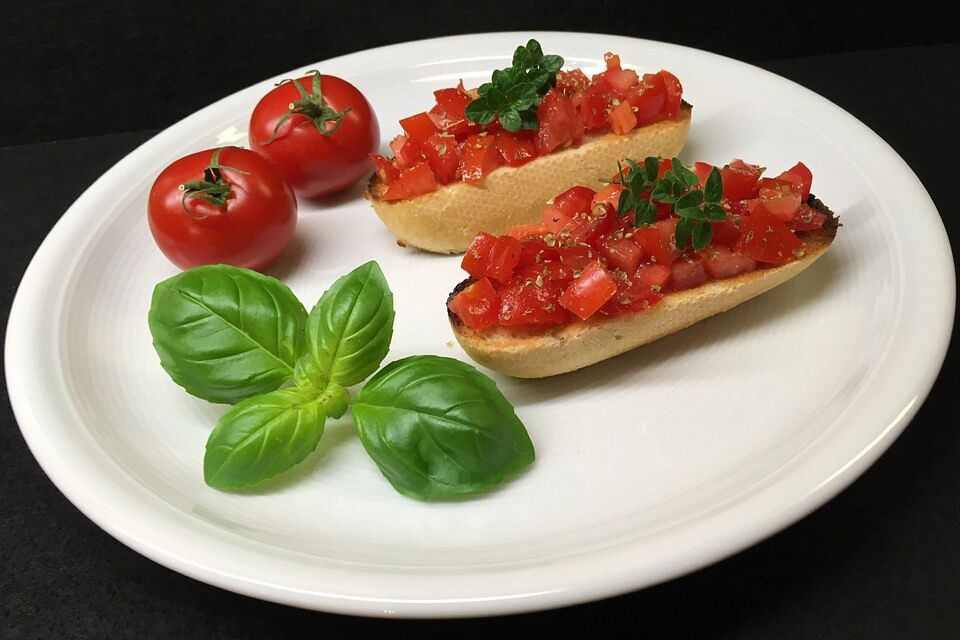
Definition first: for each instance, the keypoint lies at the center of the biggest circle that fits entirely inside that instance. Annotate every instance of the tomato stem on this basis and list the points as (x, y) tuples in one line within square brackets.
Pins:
[(211, 188), (314, 107)]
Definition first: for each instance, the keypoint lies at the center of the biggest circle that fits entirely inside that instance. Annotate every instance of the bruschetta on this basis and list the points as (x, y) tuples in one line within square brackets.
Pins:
[(482, 160), (603, 274)]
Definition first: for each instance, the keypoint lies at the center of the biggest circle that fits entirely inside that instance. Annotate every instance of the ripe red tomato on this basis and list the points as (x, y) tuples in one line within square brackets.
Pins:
[(225, 205), (478, 305), (320, 132)]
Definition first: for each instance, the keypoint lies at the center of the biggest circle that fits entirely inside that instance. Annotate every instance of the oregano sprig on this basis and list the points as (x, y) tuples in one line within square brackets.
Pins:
[(514, 93)]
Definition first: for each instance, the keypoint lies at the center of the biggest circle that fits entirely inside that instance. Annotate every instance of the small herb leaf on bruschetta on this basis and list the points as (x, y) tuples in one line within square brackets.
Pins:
[(438, 428)]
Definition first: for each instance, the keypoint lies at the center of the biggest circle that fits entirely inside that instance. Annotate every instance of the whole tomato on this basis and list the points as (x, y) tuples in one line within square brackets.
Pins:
[(320, 132), (225, 205)]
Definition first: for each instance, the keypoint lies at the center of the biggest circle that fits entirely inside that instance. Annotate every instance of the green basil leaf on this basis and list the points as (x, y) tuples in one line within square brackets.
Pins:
[(266, 435), (350, 327), (645, 213), (651, 166), (625, 203), (510, 120), (520, 91), (689, 178), (521, 57), (482, 89), (662, 192), (479, 111), (529, 120), (690, 199), (551, 63), (702, 233), (535, 52), (682, 232), (438, 428), (714, 211), (224, 333), (713, 189)]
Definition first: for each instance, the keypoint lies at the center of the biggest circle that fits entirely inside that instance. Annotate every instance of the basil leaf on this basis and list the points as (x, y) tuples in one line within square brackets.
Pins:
[(713, 189), (521, 57), (551, 63), (691, 199), (645, 213), (529, 120), (702, 233), (651, 167), (714, 211), (536, 53), (224, 333), (510, 120), (625, 203), (689, 178), (662, 193), (438, 428), (479, 111), (350, 327), (682, 232)]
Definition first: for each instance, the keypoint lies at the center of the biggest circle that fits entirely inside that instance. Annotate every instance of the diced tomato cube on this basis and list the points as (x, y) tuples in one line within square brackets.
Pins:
[(453, 102), (478, 158), (577, 257), (588, 227), (801, 177), (528, 304), (419, 127), (674, 94), (534, 248), (477, 257), (740, 180), (620, 79), (653, 276), (648, 98), (702, 169), (807, 219), (459, 127), (559, 123), (622, 119), (592, 107), (720, 262), (548, 271), (780, 198), (514, 149), (621, 253), (588, 292), (385, 169), (406, 152), (765, 238), (570, 82), (415, 181), (632, 295), (503, 258), (523, 231), (477, 306), (609, 194), (725, 233), (443, 154), (612, 61), (687, 273), (575, 200)]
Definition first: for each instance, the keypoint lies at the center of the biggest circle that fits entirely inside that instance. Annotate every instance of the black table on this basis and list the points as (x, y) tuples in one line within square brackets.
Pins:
[(880, 561)]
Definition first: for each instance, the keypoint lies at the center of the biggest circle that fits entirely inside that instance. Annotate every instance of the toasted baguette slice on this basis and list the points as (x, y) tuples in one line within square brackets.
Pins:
[(447, 220), (525, 354)]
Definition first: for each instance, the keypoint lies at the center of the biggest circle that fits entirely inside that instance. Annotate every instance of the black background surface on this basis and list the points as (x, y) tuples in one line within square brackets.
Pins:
[(882, 560)]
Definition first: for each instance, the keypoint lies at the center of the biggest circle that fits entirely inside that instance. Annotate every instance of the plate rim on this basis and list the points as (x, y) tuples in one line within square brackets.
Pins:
[(17, 355)]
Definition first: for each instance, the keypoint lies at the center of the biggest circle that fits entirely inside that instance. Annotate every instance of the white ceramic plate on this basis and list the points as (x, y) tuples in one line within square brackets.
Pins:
[(648, 466)]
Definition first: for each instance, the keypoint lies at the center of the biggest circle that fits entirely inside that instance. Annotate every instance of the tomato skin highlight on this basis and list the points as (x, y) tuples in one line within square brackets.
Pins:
[(590, 291), (443, 155), (312, 163), (477, 306), (415, 181), (559, 123), (503, 258), (477, 257), (529, 305), (251, 230), (674, 93), (419, 128), (478, 158), (765, 238)]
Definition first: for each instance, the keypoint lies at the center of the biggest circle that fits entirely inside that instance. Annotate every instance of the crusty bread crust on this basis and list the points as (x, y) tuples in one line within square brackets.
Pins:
[(447, 220), (538, 354)]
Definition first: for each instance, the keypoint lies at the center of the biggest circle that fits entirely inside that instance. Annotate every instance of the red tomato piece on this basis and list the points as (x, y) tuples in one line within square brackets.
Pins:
[(453, 102), (385, 169), (621, 253), (780, 198), (577, 257), (674, 94), (653, 276), (523, 231), (571, 82), (503, 258), (765, 238), (477, 257), (574, 200), (725, 234), (478, 158), (460, 127), (612, 61), (443, 154), (477, 306), (720, 262), (622, 119), (523, 304), (801, 177), (515, 150), (648, 98), (807, 219), (631, 296), (588, 292), (592, 107), (548, 271), (702, 169), (588, 227), (415, 181), (609, 194), (535, 248), (688, 273), (419, 127), (406, 152), (620, 79), (559, 123), (740, 180)]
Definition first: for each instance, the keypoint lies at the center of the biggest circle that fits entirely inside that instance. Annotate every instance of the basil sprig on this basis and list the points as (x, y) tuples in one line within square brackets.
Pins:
[(514, 93), (679, 187), (435, 427)]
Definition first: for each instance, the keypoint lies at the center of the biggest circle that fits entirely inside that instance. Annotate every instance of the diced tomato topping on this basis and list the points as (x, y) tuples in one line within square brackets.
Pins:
[(807, 219), (725, 233), (443, 154), (621, 253), (526, 304), (477, 257), (560, 212), (612, 61), (406, 152), (780, 198), (527, 230), (720, 262), (702, 169), (622, 119), (592, 106), (653, 276), (419, 127), (503, 258), (415, 181), (385, 169), (688, 272), (571, 82), (620, 79), (536, 248), (656, 241), (587, 293), (577, 256), (610, 194), (632, 295), (477, 306), (559, 123), (648, 98), (453, 102), (800, 177), (674, 93), (514, 149), (548, 271), (478, 158), (588, 227), (765, 238), (740, 180)]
